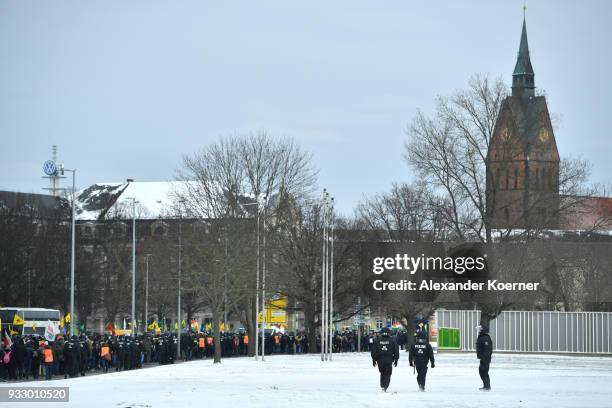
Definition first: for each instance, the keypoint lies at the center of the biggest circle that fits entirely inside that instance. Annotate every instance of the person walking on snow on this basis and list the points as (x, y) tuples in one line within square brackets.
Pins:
[(384, 353), (420, 354)]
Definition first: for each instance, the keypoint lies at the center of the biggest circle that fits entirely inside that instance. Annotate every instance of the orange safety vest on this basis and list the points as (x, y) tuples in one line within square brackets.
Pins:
[(201, 342), (48, 355), (105, 350), (246, 339), (209, 341)]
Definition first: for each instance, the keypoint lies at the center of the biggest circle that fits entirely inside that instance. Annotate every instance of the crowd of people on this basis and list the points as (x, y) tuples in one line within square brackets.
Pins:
[(32, 357)]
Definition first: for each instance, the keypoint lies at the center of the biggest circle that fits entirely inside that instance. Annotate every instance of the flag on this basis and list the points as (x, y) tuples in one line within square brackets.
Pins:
[(175, 325), (17, 320), (33, 327), (124, 323), (6, 340), (67, 318), (110, 328), (183, 324), (50, 331), (12, 332)]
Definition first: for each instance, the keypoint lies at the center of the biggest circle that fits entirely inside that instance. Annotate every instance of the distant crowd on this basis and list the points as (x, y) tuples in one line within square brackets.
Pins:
[(32, 357)]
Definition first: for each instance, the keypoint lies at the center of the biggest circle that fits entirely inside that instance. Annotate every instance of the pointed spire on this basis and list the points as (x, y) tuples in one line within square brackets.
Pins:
[(523, 75)]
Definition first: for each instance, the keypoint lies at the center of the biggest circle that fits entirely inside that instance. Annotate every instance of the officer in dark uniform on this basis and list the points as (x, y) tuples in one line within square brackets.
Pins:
[(68, 358), (83, 354), (384, 353), (120, 354), (419, 355), (484, 351)]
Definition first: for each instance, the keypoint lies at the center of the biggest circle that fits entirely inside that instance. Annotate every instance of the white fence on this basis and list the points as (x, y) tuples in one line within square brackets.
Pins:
[(535, 331)]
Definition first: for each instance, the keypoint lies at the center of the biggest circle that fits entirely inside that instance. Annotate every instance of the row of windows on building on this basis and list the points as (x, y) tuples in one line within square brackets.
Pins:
[(120, 228)]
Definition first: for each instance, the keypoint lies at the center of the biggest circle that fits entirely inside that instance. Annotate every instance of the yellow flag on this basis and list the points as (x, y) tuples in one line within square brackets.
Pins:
[(33, 327), (183, 324), (67, 318), (11, 331), (17, 320), (175, 325)]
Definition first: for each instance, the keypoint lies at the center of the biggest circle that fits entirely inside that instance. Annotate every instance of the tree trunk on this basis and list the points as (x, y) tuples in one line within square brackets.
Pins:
[(251, 315), (216, 317), (311, 330)]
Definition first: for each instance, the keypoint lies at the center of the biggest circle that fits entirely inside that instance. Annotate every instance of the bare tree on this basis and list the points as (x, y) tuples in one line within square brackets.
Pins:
[(230, 181)]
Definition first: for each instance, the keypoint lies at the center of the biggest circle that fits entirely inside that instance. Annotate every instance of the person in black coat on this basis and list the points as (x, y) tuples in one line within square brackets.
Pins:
[(19, 357), (484, 351), (419, 355), (384, 353)]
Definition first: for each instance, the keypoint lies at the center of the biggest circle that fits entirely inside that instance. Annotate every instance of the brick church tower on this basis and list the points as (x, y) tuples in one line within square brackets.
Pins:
[(522, 160)]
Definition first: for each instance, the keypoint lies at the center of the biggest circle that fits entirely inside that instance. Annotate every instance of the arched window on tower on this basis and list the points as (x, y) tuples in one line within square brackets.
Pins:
[(515, 178), (497, 181), (550, 179), (507, 179)]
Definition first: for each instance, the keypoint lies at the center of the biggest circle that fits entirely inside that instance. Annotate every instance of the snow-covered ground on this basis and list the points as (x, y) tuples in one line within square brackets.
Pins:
[(349, 381)]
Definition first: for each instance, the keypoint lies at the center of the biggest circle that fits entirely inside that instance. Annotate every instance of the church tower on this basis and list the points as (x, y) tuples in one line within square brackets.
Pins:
[(522, 160)]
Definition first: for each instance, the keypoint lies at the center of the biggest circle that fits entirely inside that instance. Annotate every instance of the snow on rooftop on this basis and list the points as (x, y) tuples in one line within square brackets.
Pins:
[(154, 199)]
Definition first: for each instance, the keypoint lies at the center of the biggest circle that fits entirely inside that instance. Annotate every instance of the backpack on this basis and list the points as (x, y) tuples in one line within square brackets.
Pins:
[(7, 358)]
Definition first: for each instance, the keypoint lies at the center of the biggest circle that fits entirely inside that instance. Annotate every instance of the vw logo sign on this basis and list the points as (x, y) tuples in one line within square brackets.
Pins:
[(50, 168)]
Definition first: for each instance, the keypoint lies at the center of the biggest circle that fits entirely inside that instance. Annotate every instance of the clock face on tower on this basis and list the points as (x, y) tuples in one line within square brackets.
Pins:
[(505, 134), (543, 135)]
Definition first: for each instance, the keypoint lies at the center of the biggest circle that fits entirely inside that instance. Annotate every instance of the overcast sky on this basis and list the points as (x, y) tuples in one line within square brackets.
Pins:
[(126, 88)]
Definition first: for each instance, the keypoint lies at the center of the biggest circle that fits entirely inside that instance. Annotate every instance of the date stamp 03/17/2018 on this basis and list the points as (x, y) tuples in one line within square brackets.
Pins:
[(34, 394)]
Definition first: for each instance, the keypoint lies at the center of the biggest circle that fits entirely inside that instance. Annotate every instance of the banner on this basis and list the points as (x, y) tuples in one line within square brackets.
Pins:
[(50, 331)]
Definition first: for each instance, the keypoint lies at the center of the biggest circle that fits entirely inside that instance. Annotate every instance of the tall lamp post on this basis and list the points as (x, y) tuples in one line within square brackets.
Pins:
[(263, 283), (327, 276), (146, 315), (133, 261), (256, 204), (178, 312), (72, 250), (331, 278)]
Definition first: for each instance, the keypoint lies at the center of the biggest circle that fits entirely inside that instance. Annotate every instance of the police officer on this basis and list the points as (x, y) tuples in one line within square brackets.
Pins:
[(419, 355), (384, 353), (484, 351)]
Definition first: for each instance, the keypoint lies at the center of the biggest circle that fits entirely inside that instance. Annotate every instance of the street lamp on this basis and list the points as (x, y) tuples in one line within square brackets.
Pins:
[(327, 276), (133, 260), (263, 283), (72, 251), (178, 313), (256, 203), (146, 315)]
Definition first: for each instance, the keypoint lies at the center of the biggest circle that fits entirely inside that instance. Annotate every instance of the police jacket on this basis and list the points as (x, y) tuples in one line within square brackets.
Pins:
[(421, 354), (484, 347), (385, 350)]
